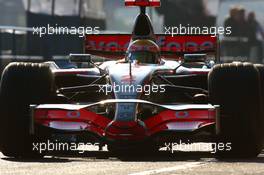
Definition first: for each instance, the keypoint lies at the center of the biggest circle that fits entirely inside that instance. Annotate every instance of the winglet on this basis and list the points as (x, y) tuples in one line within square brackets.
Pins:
[(143, 3)]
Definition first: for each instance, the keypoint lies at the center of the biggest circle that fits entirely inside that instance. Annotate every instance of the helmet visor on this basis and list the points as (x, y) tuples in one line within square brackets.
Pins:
[(143, 57)]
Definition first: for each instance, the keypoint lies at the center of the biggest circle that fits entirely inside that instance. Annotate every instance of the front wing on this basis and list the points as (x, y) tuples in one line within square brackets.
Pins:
[(167, 125)]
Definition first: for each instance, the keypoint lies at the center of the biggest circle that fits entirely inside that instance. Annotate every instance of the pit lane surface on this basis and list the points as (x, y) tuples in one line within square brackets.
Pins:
[(94, 162)]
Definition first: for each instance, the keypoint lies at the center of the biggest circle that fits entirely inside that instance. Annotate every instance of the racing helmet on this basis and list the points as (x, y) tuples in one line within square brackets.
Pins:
[(143, 51)]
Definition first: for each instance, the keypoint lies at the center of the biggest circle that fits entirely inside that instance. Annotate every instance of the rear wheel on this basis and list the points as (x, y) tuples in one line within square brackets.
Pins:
[(22, 84), (236, 88)]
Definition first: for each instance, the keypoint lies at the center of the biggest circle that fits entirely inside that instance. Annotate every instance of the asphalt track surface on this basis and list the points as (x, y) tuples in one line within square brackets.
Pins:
[(165, 163)]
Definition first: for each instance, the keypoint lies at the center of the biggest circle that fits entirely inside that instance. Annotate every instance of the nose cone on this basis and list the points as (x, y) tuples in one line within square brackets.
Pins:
[(132, 130)]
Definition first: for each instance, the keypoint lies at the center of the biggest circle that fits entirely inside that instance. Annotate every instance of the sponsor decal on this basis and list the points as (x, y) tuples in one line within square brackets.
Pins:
[(182, 114), (117, 43), (73, 114)]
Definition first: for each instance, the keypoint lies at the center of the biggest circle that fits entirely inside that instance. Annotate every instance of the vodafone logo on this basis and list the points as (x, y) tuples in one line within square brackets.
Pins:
[(119, 43)]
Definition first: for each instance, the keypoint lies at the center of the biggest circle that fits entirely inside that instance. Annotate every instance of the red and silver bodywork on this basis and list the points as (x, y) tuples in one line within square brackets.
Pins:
[(174, 120), (163, 122)]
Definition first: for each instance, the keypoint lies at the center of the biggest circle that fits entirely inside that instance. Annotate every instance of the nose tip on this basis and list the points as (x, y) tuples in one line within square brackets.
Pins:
[(124, 125), (125, 130)]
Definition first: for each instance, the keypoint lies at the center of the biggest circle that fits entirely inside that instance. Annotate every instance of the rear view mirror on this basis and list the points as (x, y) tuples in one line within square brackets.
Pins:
[(80, 58), (194, 58)]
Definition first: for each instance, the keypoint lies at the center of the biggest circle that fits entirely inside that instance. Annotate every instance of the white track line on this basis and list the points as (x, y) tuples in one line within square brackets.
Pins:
[(170, 169)]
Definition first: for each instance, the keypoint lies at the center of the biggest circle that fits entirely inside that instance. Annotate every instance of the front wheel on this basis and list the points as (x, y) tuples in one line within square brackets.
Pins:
[(22, 84), (236, 87)]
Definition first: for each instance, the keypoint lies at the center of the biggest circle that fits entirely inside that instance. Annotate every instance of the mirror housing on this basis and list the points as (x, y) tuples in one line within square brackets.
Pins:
[(195, 58), (80, 58)]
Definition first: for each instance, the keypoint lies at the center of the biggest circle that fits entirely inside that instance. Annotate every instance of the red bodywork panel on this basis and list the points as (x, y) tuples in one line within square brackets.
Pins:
[(115, 45), (92, 122), (185, 120), (168, 120), (143, 3)]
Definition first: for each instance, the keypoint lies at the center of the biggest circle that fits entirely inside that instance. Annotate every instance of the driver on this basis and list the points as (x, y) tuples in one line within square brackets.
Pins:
[(143, 51)]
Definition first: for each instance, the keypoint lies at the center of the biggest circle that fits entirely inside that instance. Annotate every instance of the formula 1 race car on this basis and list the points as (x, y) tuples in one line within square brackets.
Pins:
[(150, 90)]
